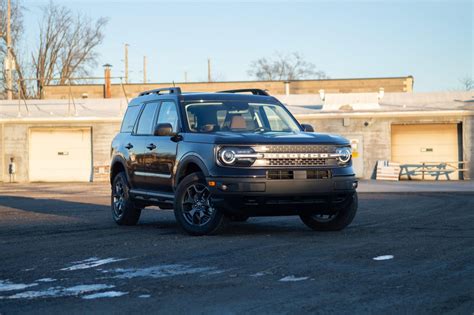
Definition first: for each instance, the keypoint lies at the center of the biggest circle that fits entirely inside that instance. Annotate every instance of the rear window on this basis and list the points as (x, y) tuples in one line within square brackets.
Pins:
[(130, 118)]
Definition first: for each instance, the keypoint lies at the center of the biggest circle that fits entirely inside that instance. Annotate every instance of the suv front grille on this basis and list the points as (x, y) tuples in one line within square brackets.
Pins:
[(300, 148), (299, 162)]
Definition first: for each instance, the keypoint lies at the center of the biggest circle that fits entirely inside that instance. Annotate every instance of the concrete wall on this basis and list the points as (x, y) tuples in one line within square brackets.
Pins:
[(377, 134), (399, 84), (15, 142)]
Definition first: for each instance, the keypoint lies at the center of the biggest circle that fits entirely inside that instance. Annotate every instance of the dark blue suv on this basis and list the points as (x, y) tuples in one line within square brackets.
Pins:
[(230, 155)]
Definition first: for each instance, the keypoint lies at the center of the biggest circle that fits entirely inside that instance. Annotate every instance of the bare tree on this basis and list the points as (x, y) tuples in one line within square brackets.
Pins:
[(467, 83), (284, 67), (17, 31), (67, 45)]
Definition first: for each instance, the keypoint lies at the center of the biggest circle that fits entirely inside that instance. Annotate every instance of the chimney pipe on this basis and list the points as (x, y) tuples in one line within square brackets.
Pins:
[(107, 84)]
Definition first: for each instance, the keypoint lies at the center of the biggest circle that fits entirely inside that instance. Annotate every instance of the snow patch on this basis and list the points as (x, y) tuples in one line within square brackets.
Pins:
[(215, 272), (107, 294), (162, 271), (293, 279), (60, 291), (6, 285), (50, 292), (144, 296), (46, 280), (84, 288), (258, 274), (91, 263), (383, 257)]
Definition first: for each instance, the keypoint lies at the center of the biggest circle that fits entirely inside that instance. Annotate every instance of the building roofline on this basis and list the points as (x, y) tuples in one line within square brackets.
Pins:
[(59, 120), (242, 81), (385, 114)]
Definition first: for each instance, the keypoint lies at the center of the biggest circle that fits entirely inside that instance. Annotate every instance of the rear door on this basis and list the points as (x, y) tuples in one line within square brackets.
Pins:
[(127, 142)]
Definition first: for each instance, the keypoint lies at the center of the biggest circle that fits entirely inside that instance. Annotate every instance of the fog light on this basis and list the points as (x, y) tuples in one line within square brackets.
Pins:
[(224, 187), (355, 184)]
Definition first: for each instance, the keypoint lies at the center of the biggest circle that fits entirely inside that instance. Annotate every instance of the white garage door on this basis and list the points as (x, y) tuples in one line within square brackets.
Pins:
[(432, 143), (60, 155)]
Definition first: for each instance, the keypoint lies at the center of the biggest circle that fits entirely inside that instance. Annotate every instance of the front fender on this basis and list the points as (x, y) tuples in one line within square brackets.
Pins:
[(191, 157)]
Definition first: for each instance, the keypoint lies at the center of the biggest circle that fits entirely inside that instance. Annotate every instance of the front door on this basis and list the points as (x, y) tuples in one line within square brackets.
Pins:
[(143, 131), (161, 154)]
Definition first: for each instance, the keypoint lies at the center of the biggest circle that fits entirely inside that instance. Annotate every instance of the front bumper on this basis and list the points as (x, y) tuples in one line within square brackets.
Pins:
[(261, 196)]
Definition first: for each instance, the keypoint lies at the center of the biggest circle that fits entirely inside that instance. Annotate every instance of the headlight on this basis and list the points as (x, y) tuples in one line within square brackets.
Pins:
[(344, 155), (236, 156), (227, 156)]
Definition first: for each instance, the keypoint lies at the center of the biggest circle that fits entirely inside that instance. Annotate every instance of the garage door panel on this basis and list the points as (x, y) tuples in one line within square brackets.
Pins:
[(60, 155), (413, 144)]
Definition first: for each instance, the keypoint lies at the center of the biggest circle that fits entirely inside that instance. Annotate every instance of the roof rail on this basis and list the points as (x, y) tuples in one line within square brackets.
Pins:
[(171, 90), (253, 91)]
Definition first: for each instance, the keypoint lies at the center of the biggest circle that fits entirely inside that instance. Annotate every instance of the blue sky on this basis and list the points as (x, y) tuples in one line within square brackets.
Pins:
[(431, 40)]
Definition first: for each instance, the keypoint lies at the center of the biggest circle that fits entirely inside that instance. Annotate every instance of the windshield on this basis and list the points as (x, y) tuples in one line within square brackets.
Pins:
[(239, 117)]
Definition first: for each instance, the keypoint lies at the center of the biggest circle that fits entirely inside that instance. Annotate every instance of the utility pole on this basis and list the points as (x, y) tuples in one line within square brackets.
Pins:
[(208, 70), (144, 69), (126, 63), (185, 76), (8, 61)]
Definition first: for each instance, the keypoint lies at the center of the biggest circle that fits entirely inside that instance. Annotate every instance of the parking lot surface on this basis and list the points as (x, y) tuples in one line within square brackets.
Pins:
[(404, 253)]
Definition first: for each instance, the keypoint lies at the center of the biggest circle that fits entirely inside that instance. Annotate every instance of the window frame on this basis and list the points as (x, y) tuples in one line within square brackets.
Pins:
[(135, 128), (178, 125), (140, 108)]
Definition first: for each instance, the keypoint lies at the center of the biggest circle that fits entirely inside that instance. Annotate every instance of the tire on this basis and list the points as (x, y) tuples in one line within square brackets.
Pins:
[(193, 207), (239, 218), (335, 222), (124, 210)]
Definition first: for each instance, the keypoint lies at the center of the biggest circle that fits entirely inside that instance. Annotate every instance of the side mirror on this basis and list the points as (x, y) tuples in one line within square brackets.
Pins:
[(164, 130), (307, 128)]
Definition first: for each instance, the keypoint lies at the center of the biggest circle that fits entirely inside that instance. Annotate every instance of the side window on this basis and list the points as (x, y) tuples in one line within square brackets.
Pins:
[(168, 114), (129, 119), (145, 124)]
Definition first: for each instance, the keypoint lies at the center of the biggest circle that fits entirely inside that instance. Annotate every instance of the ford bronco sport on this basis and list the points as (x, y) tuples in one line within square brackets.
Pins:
[(230, 155)]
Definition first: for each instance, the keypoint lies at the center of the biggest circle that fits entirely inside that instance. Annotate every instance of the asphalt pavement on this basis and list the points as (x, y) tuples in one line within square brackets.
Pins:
[(406, 252)]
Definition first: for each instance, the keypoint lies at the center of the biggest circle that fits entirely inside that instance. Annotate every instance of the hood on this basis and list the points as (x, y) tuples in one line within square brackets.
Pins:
[(267, 138)]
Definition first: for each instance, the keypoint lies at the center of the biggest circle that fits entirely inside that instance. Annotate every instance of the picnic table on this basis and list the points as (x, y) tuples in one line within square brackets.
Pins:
[(435, 169)]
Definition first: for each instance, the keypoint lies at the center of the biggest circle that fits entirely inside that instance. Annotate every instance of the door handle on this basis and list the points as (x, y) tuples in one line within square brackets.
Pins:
[(129, 146), (151, 146)]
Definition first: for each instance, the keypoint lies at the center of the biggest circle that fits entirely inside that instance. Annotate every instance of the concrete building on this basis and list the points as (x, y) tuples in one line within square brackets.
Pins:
[(61, 140), (118, 90)]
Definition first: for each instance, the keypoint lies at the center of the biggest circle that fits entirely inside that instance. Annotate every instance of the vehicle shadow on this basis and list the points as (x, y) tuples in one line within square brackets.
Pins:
[(52, 206), (152, 220)]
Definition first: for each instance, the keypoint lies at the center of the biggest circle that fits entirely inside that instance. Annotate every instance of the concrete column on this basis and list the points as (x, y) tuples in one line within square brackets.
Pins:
[(287, 87)]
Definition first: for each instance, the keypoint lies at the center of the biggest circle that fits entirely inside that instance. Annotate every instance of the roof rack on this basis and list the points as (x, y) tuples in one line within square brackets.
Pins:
[(171, 90), (253, 91)]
